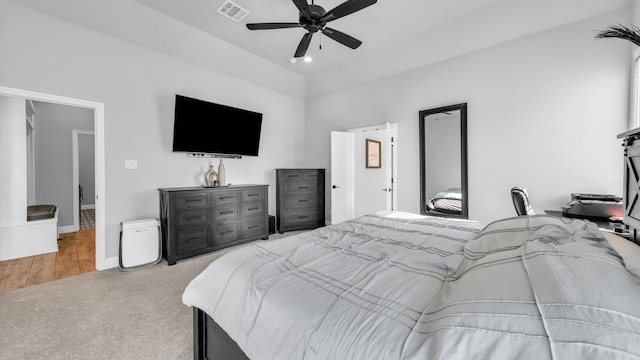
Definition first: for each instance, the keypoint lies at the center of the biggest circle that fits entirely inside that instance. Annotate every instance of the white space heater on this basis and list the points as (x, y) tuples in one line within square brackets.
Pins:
[(140, 244)]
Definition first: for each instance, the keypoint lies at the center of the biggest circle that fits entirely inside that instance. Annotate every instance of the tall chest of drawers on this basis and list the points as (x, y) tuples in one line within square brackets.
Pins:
[(198, 220), (300, 199)]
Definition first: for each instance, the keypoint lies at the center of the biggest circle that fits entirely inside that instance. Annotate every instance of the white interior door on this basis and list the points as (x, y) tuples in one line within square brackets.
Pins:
[(342, 204)]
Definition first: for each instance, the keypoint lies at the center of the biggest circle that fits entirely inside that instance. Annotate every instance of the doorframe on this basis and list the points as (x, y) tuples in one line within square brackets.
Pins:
[(102, 262), (76, 174)]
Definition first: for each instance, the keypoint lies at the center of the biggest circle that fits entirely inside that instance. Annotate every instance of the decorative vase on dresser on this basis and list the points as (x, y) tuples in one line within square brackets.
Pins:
[(300, 199), (211, 177), (222, 176)]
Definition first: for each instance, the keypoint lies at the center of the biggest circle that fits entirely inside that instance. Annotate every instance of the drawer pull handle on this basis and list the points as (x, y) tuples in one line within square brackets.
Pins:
[(303, 187), (192, 239), (303, 201), (253, 194), (192, 200), (302, 217), (251, 209), (292, 176), (226, 212), (226, 232), (226, 197), (252, 227)]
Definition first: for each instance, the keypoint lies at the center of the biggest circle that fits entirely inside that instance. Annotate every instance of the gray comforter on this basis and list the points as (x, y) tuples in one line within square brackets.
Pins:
[(381, 287)]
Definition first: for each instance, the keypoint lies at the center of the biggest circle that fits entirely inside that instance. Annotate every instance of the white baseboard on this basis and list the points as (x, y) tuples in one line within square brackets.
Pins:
[(110, 263), (66, 229), (88, 206)]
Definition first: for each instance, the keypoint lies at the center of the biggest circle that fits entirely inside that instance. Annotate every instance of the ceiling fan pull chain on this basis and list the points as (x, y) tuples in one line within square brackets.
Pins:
[(320, 41)]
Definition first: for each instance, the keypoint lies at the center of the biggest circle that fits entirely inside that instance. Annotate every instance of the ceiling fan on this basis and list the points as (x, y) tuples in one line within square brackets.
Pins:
[(314, 18)]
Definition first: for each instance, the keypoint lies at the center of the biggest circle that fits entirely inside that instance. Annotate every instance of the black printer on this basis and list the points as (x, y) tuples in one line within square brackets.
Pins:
[(594, 206)]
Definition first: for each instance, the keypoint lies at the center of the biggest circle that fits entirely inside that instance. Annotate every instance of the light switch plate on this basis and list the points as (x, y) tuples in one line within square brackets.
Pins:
[(131, 164)]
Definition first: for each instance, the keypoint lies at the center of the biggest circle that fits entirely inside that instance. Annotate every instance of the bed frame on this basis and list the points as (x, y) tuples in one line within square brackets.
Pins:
[(210, 342)]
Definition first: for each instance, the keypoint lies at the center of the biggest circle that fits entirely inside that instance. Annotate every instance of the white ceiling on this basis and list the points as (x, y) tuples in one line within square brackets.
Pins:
[(376, 26), (397, 35), (379, 26)]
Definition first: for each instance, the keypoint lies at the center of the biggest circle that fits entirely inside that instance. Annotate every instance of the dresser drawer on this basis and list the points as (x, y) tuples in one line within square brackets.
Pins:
[(302, 175), (253, 209), (253, 195), (253, 226), (301, 199), (292, 176), (224, 232), (191, 200), (192, 239), (301, 187), (193, 217), (295, 217), (226, 197), (311, 176), (225, 212)]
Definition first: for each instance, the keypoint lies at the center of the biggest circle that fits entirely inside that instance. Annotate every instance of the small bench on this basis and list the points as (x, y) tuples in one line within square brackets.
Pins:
[(40, 212)]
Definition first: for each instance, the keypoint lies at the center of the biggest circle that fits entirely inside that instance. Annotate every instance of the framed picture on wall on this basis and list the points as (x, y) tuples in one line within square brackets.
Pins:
[(372, 154)]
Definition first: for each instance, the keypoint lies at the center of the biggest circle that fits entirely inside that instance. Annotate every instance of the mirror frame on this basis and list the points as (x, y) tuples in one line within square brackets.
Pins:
[(463, 158)]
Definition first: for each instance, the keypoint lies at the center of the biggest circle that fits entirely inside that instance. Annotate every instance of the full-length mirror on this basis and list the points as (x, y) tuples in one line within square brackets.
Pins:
[(443, 161)]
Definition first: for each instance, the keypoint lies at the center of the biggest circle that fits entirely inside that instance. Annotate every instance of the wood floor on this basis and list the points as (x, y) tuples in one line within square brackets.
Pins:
[(76, 255)]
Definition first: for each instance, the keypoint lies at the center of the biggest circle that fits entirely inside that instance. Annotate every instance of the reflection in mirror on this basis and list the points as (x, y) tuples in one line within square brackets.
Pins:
[(443, 161)]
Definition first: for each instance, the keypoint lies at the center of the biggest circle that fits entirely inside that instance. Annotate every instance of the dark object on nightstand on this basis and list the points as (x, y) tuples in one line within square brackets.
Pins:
[(272, 224), (299, 199), (595, 206)]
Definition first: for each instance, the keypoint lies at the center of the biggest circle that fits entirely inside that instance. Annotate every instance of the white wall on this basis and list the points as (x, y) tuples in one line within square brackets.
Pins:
[(544, 111), (86, 168), (13, 160), (137, 87), (368, 196)]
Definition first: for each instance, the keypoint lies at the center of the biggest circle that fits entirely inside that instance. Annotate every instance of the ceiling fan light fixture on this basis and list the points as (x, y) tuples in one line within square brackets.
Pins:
[(308, 59), (293, 60), (313, 18)]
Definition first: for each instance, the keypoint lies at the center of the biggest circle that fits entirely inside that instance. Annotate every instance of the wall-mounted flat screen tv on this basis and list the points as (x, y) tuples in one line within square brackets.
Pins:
[(206, 127)]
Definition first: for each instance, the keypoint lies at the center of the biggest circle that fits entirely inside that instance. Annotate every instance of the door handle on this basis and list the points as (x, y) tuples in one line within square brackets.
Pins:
[(387, 190), (335, 186)]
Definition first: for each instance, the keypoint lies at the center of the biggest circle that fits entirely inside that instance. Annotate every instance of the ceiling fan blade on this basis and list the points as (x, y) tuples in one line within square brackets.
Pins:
[(269, 26), (303, 6), (304, 45), (346, 8), (342, 38)]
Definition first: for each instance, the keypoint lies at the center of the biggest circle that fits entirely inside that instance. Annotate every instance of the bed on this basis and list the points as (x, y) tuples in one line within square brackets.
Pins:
[(447, 202), (404, 286)]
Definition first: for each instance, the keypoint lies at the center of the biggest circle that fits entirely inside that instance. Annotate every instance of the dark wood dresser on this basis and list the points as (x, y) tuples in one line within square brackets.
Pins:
[(197, 220), (299, 199)]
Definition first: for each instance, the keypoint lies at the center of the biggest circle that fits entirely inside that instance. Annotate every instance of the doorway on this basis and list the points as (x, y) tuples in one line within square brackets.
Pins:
[(359, 188), (101, 261)]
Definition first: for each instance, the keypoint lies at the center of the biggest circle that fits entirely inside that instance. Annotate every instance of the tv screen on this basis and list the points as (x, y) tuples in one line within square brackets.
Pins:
[(206, 127)]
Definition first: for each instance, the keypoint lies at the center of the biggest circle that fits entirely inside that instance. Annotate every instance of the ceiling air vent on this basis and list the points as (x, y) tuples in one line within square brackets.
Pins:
[(233, 11)]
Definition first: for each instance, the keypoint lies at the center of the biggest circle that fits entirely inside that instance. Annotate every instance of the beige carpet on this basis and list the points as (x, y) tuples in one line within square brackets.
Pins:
[(104, 315)]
